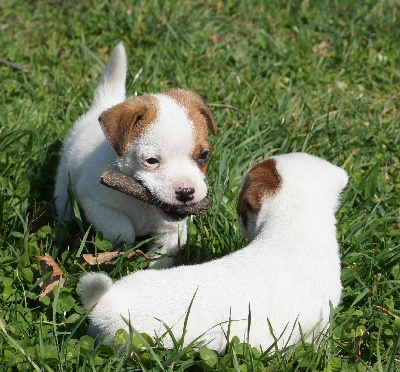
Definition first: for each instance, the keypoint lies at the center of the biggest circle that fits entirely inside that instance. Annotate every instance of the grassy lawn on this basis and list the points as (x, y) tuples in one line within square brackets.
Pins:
[(280, 76)]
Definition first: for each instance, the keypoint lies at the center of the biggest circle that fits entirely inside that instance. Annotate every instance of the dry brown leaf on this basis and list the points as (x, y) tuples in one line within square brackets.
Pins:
[(359, 343), (49, 288), (321, 47), (56, 278), (107, 256), (105, 50)]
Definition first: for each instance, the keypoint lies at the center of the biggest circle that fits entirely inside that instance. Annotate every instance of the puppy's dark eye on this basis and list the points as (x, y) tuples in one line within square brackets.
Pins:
[(152, 161), (203, 157)]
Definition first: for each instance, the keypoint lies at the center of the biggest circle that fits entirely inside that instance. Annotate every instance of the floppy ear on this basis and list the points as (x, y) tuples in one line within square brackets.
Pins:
[(249, 200), (204, 110), (190, 99), (262, 180), (126, 121)]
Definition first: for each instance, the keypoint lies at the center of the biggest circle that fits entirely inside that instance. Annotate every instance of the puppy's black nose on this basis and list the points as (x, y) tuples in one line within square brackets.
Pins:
[(185, 194)]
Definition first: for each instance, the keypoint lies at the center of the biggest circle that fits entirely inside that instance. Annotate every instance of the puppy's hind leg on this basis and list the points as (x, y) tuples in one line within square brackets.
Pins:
[(115, 226)]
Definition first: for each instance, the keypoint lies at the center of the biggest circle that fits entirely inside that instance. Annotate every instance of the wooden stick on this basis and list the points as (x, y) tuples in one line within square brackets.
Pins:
[(129, 186), (230, 107), (14, 65)]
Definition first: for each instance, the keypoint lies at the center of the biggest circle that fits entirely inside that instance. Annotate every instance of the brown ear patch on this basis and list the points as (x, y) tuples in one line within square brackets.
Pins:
[(202, 119), (262, 180), (126, 121)]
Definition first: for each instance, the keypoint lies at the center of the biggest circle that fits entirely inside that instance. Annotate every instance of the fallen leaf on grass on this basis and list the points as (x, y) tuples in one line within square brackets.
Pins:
[(358, 353), (321, 47), (107, 256), (56, 278)]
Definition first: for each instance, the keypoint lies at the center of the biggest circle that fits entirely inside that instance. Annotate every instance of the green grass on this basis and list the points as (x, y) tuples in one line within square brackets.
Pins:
[(316, 76)]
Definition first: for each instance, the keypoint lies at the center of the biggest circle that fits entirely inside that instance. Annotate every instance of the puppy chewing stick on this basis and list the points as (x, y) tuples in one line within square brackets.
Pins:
[(129, 186)]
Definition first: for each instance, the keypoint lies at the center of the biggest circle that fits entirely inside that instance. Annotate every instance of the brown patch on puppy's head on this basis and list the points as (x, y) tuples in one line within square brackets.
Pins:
[(126, 121), (262, 180), (202, 118)]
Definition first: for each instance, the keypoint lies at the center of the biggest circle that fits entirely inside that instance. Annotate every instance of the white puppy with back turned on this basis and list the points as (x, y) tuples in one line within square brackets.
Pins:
[(289, 271), (159, 139)]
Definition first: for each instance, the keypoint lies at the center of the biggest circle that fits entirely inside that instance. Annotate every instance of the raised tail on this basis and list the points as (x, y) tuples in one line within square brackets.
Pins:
[(93, 287), (111, 88)]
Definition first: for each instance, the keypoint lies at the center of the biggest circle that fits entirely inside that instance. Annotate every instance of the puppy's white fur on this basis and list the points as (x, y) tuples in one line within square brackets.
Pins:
[(159, 139), (290, 270)]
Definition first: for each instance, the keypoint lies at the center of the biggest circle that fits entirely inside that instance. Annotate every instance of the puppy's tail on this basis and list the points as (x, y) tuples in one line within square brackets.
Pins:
[(93, 287), (111, 88)]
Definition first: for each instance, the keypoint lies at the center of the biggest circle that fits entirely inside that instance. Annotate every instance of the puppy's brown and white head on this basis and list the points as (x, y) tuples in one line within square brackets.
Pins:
[(162, 141), (294, 189)]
